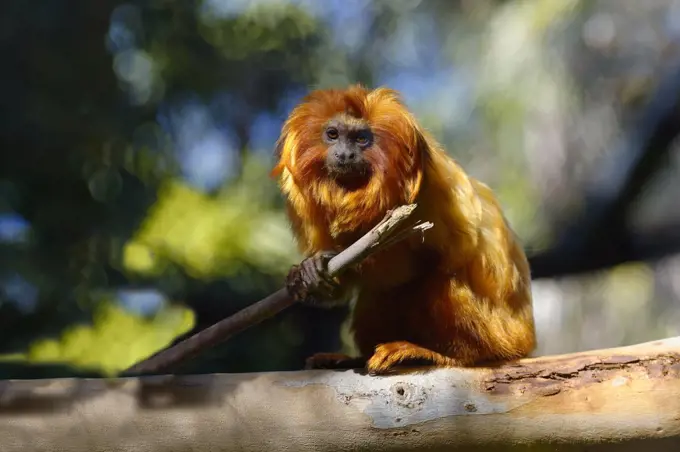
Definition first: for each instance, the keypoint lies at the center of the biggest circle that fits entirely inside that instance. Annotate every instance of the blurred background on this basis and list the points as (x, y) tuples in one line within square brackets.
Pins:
[(137, 137)]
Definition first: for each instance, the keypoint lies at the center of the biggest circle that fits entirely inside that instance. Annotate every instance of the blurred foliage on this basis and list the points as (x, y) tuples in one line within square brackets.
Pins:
[(214, 236), (138, 140), (126, 337)]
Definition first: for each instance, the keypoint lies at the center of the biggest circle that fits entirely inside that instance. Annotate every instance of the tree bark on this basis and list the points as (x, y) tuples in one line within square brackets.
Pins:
[(621, 399)]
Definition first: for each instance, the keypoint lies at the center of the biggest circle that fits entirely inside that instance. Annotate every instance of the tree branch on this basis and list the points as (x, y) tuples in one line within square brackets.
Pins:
[(622, 399), (388, 231)]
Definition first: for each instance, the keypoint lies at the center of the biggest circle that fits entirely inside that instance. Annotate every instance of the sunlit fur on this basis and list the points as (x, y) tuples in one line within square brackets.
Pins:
[(458, 296)]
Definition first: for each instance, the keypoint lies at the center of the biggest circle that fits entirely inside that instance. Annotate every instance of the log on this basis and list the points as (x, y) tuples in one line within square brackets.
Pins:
[(622, 399)]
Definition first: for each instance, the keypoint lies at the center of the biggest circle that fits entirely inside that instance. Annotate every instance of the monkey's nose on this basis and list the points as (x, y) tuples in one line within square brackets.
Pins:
[(343, 156)]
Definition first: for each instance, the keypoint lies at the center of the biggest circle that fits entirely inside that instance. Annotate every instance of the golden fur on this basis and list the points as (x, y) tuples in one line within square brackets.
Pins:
[(460, 297)]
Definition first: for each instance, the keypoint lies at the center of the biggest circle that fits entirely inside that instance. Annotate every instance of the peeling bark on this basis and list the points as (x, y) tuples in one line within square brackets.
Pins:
[(621, 399)]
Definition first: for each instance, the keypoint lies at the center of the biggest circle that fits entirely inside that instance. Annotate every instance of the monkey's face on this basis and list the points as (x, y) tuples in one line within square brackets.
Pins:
[(347, 143), (351, 146)]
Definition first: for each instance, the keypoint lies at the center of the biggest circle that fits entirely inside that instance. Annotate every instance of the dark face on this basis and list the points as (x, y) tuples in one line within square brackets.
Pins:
[(347, 142)]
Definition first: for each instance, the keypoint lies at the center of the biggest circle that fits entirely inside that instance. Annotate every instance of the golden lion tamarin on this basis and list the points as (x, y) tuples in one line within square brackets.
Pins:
[(458, 296)]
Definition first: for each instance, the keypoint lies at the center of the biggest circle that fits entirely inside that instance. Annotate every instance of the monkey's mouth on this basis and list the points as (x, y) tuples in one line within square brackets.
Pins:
[(351, 175)]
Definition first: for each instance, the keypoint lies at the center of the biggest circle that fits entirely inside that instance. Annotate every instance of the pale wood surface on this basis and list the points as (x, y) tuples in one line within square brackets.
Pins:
[(623, 399)]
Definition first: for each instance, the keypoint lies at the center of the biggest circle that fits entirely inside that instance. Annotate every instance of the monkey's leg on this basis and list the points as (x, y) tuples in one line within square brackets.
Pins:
[(334, 361), (390, 354), (309, 283)]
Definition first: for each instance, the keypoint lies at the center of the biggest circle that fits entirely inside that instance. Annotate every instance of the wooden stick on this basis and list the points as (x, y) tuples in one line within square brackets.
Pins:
[(388, 231)]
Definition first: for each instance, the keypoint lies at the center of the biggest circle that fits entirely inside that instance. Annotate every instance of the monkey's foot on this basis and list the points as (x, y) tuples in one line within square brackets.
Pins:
[(389, 355), (310, 283), (334, 361)]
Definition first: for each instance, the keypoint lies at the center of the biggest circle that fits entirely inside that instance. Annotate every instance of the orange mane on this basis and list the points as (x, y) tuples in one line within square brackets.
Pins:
[(396, 159)]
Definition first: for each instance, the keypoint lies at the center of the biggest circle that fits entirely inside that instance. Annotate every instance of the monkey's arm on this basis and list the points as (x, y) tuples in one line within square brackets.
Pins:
[(310, 284)]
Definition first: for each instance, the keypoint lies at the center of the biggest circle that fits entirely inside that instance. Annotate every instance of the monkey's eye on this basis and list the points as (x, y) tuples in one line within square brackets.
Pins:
[(362, 140), (332, 134)]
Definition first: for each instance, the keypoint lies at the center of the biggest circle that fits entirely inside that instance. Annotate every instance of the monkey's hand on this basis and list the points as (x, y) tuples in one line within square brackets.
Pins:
[(309, 283)]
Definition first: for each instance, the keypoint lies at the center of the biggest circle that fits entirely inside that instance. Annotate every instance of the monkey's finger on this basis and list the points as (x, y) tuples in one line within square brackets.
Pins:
[(293, 275), (295, 283), (309, 272), (321, 267), (324, 258), (327, 255), (315, 281)]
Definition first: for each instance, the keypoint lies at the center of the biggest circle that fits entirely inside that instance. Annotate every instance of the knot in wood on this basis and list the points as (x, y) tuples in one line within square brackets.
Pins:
[(408, 395)]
